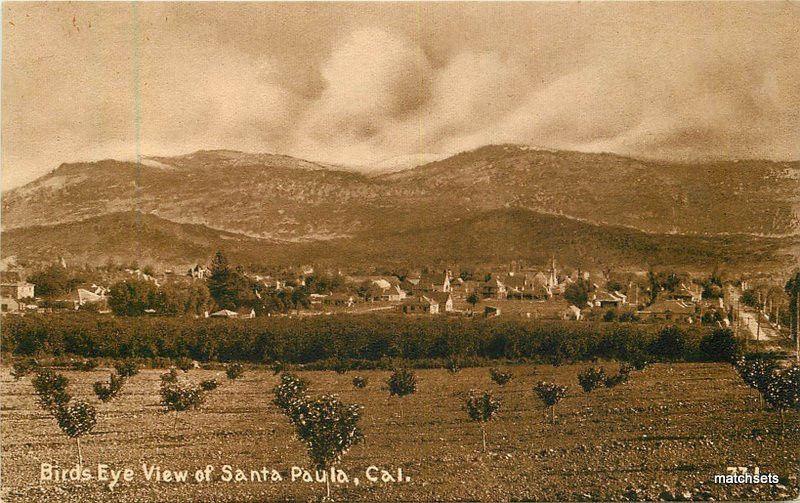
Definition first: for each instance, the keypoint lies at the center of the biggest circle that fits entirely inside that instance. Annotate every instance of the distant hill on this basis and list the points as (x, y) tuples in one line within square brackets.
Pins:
[(495, 236), (499, 202)]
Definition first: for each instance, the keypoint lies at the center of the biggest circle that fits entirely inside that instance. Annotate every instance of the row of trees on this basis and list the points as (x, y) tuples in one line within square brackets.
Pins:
[(365, 338)]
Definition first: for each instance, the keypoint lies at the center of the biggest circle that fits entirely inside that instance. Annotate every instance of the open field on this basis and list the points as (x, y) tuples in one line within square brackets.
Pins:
[(664, 433)]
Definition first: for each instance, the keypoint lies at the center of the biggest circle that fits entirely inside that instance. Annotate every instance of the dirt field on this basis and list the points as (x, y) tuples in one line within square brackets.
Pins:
[(662, 435)]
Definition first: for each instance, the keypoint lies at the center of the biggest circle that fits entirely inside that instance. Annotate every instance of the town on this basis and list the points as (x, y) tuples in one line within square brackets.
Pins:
[(758, 308)]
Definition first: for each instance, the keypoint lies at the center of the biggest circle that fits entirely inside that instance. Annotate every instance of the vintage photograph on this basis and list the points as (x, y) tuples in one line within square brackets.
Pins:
[(400, 251)]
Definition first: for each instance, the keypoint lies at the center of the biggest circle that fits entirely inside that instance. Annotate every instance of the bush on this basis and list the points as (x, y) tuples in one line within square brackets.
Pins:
[(550, 394), (360, 382), (591, 378), (482, 409), (179, 397), (84, 365), (22, 367), (127, 368), (209, 385), (616, 379), (234, 370), (171, 376), (783, 391), (278, 367), (452, 366), (51, 389), (107, 391), (185, 364), (499, 377), (719, 346), (402, 382)]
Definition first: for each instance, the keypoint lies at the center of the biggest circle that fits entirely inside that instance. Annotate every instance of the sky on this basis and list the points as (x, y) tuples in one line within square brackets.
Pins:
[(378, 85)]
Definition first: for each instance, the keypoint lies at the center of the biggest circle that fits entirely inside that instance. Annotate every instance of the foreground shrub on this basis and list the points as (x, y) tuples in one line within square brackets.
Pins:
[(51, 389), (290, 394), (170, 376), (615, 380), (209, 385), (127, 368), (107, 391), (482, 409), (76, 419), (591, 378), (360, 382), (329, 428), (501, 378), (22, 367), (550, 394), (782, 392), (234, 370), (84, 365), (402, 382), (756, 373)]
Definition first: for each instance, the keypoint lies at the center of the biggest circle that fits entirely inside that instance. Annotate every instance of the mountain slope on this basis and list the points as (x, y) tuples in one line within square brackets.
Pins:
[(492, 237), (281, 197)]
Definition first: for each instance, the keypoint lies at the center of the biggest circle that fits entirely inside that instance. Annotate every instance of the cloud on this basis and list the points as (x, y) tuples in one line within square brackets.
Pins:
[(384, 84)]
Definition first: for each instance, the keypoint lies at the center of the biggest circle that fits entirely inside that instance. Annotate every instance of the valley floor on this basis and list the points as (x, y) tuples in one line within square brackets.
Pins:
[(662, 435)]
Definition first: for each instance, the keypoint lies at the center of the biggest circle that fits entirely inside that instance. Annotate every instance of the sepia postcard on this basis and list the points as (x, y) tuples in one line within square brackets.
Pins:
[(400, 251)]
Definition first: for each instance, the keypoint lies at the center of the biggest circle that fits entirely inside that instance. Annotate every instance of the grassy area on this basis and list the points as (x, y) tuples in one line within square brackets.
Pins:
[(670, 429)]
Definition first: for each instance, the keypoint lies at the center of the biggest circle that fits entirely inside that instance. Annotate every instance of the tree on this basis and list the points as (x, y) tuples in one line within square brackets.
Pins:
[(54, 280), (482, 409), (550, 394), (670, 343), (782, 392), (22, 367), (132, 297), (127, 368), (756, 373), (178, 397), (223, 283), (360, 382), (591, 378), (473, 299), (75, 420), (51, 389), (578, 293), (329, 428), (793, 290), (401, 383), (720, 346), (290, 394)]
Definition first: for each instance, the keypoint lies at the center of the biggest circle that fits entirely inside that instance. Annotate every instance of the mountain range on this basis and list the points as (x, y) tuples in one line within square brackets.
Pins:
[(493, 204)]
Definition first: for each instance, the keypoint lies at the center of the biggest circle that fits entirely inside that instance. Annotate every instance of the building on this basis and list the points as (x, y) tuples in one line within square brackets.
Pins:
[(494, 289), (17, 290), (669, 309), (445, 301), (604, 299), (419, 305), (9, 305)]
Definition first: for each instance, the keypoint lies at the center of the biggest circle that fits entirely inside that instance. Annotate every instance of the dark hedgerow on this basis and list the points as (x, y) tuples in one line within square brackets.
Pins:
[(355, 337)]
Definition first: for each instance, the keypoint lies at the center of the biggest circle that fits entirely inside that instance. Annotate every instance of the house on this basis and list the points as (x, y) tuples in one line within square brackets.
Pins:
[(605, 299), (493, 289), (445, 301), (338, 299), (224, 313), (429, 283), (17, 290), (199, 272), (9, 305), (684, 293), (491, 311), (91, 297), (419, 305), (669, 309), (395, 294)]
